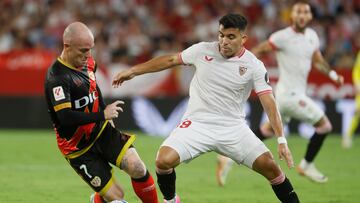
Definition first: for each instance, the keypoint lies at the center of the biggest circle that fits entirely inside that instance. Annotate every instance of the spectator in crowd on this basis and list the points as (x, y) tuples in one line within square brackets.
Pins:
[(114, 22)]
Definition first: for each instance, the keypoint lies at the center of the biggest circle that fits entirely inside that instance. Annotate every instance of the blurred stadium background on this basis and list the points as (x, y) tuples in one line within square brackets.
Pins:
[(128, 32)]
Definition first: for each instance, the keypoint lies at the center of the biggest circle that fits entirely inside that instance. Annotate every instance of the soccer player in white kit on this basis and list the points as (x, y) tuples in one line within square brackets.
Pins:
[(297, 49), (215, 120)]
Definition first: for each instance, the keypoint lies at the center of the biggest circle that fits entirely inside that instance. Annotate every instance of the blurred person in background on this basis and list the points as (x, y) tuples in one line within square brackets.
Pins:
[(297, 50), (348, 136), (85, 132), (191, 21), (215, 119)]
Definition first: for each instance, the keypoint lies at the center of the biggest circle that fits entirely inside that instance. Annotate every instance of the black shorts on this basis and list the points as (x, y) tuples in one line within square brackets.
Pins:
[(93, 166)]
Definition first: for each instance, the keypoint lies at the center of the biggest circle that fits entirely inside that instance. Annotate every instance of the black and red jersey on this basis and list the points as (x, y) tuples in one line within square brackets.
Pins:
[(75, 105)]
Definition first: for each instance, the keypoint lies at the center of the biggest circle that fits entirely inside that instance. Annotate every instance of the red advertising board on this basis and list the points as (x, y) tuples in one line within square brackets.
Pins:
[(22, 72), (320, 86)]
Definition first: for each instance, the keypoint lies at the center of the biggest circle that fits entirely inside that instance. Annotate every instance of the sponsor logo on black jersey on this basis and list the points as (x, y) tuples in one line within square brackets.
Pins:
[(85, 100)]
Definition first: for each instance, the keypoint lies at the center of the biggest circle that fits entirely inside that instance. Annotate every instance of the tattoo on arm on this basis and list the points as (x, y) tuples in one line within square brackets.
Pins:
[(124, 163)]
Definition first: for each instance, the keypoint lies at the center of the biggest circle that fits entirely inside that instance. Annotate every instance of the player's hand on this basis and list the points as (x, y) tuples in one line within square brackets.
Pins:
[(112, 110), (340, 80), (112, 123), (284, 153), (121, 77)]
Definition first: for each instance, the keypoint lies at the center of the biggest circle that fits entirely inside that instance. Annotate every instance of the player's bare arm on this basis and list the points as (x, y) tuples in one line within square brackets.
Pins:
[(269, 105), (320, 64), (262, 48), (154, 65)]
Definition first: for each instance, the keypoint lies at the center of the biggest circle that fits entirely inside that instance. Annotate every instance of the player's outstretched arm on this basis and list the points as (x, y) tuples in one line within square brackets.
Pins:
[(154, 65), (320, 64), (261, 49), (269, 105)]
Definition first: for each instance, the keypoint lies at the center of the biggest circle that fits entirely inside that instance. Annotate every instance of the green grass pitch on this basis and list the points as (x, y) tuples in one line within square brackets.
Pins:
[(33, 170)]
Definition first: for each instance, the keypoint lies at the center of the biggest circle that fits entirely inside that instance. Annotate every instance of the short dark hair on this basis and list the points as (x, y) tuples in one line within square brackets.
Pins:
[(233, 20)]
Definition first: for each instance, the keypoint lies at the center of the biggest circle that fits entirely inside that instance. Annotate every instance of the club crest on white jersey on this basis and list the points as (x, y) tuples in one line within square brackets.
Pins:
[(242, 70)]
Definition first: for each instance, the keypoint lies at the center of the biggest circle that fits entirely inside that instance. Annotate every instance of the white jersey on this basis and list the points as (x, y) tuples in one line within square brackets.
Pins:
[(220, 86), (294, 53)]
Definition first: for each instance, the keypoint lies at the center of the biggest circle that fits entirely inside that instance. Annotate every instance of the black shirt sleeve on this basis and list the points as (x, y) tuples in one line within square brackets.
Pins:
[(68, 117)]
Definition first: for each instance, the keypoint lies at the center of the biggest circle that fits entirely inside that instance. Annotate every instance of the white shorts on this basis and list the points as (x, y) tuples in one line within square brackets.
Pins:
[(300, 107), (238, 143)]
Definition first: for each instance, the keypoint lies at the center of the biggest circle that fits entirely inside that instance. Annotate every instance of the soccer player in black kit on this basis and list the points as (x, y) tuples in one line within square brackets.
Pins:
[(83, 123)]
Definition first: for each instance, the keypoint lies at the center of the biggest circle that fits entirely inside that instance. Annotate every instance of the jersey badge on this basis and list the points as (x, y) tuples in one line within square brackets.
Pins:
[(96, 181), (78, 82), (267, 80), (242, 70), (208, 58), (58, 93), (302, 103)]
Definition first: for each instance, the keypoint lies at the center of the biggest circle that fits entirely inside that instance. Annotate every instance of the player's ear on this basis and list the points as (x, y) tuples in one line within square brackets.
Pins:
[(244, 38)]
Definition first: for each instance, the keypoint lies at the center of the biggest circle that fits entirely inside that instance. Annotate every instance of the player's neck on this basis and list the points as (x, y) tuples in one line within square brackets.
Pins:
[(237, 54), (240, 52), (297, 29), (65, 60)]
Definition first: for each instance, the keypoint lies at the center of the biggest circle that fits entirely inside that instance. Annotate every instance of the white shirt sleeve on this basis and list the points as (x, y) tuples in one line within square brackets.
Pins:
[(189, 55), (277, 40), (261, 80), (316, 41)]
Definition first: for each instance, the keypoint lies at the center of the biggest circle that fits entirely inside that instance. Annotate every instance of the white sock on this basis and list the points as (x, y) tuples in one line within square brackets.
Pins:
[(304, 164), (172, 200)]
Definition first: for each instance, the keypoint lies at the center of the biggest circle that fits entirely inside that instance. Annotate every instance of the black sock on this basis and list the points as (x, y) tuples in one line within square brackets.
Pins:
[(166, 184), (314, 146), (142, 179), (285, 192), (259, 134)]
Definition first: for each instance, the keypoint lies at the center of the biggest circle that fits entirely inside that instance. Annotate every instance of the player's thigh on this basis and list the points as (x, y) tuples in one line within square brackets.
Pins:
[(240, 144), (132, 164), (190, 139), (302, 108), (94, 170), (114, 144)]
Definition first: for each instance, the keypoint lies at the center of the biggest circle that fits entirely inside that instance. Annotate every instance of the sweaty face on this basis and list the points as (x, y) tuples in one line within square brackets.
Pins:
[(231, 41), (79, 51), (301, 16)]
